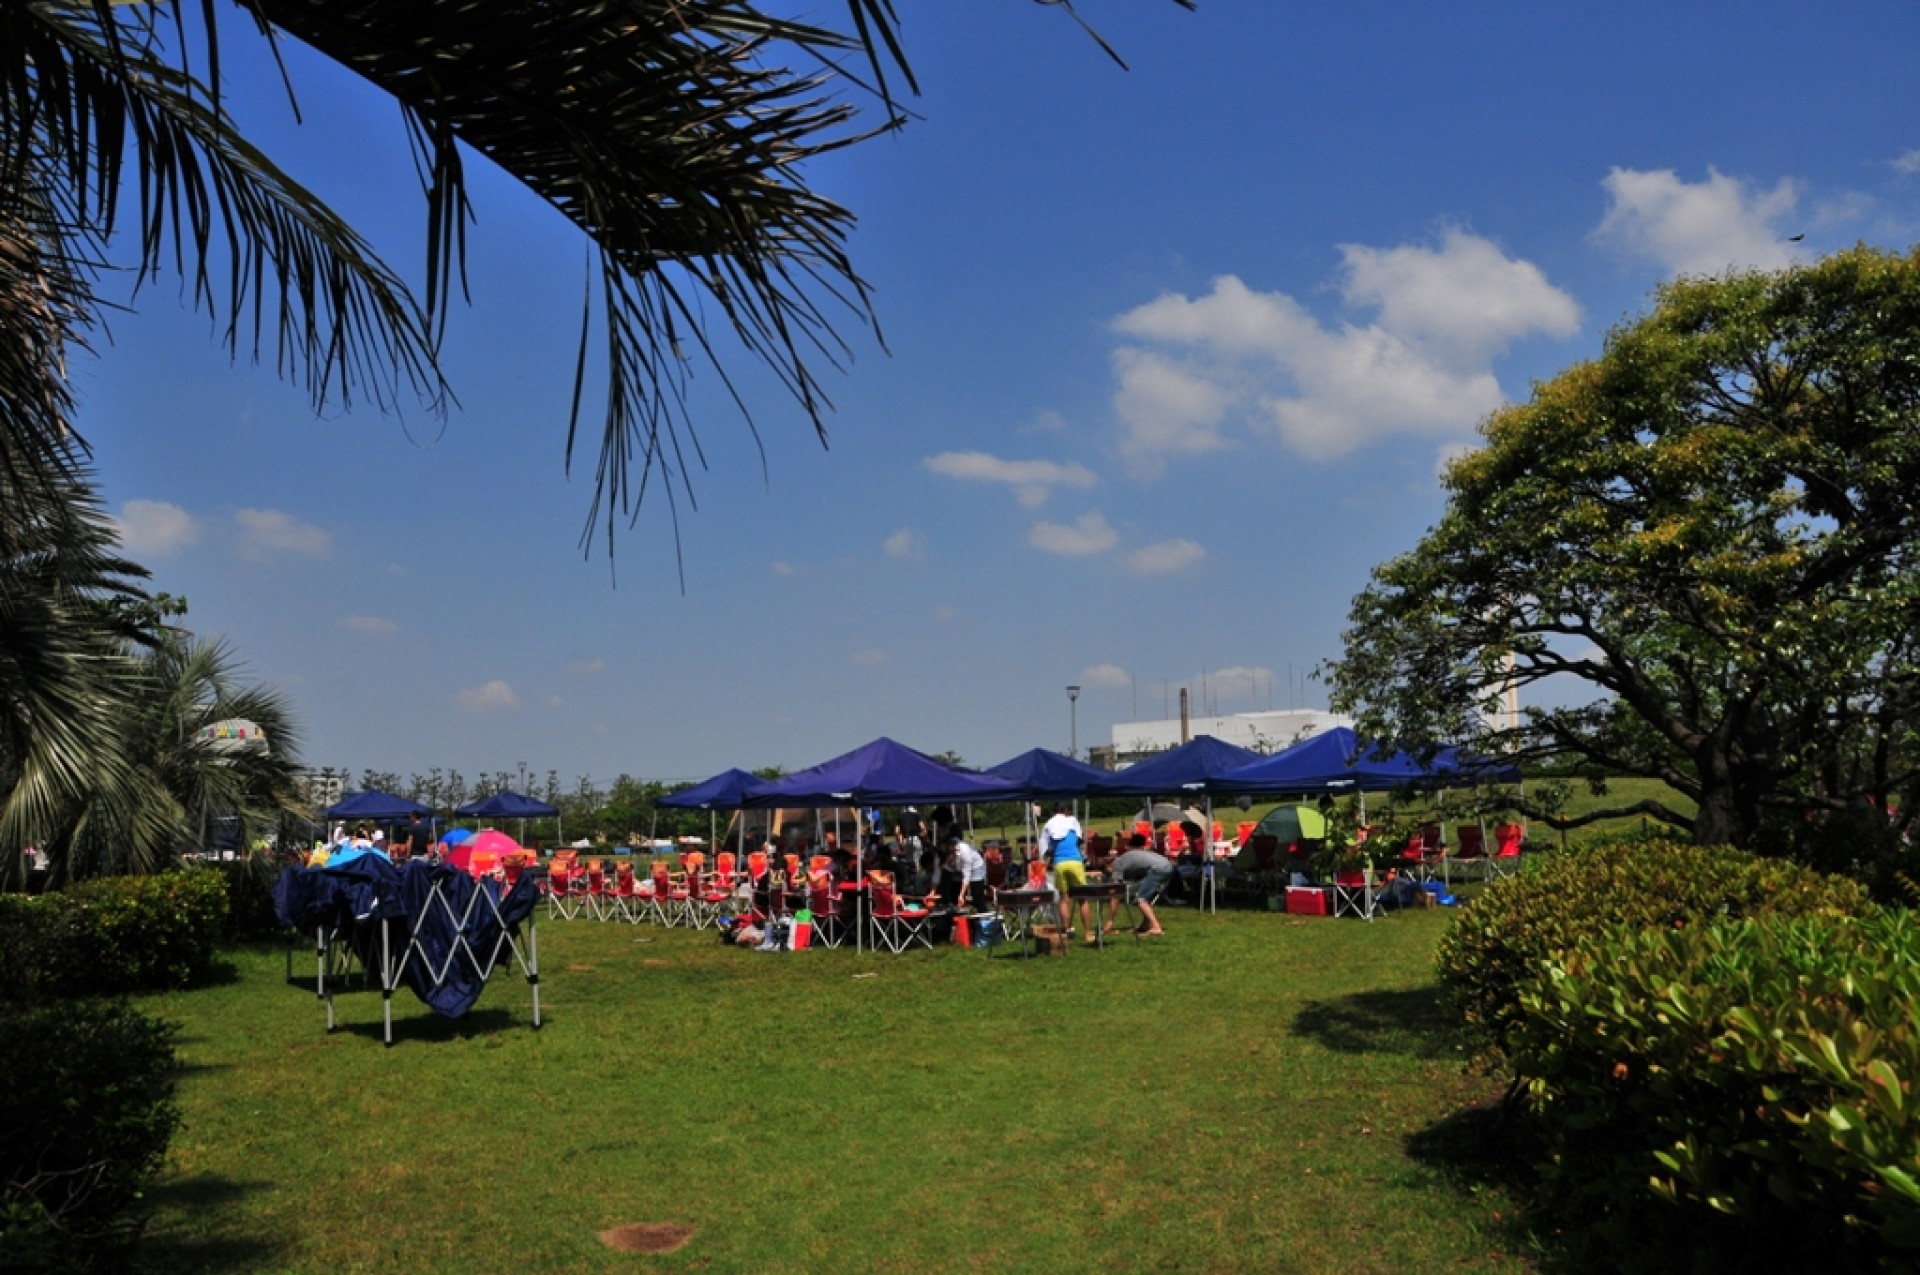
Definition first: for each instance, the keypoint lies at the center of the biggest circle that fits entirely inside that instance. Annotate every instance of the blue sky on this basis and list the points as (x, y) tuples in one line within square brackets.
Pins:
[(1172, 358)]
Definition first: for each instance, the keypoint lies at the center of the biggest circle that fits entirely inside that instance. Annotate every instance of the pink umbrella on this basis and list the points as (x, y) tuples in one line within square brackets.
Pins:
[(499, 844)]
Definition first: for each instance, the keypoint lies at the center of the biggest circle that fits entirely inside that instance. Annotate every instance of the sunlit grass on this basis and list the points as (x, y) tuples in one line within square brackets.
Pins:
[(1236, 1096)]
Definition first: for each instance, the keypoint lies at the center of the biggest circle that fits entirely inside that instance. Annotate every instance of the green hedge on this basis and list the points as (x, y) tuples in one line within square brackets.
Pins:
[(85, 1116), (114, 934), (1732, 1097), (1498, 941)]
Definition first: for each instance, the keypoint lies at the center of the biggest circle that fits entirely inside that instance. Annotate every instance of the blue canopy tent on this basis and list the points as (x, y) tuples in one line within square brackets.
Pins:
[(1042, 773), (727, 790), (882, 773), (379, 807), (374, 804), (1046, 774), (1337, 760), (1194, 767), (507, 804)]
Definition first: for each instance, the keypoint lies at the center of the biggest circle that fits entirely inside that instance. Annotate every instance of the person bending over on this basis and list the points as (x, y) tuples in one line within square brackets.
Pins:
[(1152, 871)]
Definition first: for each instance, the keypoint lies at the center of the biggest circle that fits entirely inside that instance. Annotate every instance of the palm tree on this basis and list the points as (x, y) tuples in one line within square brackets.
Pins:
[(668, 132), (184, 778)]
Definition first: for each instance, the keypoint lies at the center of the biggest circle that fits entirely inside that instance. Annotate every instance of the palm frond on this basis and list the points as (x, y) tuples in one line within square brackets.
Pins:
[(85, 91)]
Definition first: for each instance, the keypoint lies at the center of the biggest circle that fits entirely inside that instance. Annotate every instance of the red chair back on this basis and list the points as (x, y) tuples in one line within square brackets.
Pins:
[(1245, 831), (623, 880), (1037, 875), (1266, 852), (662, 880), (886, 905), (1507, 838), (1176, 838), (1472, 843)]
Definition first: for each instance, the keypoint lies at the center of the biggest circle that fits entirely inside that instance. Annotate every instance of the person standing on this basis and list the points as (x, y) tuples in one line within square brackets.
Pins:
[(1060, 839), (1152, 871), (419, 837)]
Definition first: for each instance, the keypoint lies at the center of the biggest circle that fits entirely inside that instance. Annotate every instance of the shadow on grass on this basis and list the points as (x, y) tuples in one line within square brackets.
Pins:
[(204, 1199), (1412, 1023), (1490, 1149), (435, 1030)]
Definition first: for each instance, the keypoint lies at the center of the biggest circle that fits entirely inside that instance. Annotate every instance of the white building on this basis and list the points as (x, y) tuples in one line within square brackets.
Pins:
[(1266, 732)]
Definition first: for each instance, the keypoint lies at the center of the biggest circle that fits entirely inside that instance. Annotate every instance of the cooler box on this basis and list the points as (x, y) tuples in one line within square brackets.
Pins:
[(1307, 900)]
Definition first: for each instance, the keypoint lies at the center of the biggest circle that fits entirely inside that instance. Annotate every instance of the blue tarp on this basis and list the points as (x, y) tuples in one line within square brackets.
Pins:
[(1194, 766), (727, 790), (506, 804), (356, 897), (1337, 760), (883, 773), (1042, 773), (374, 804)]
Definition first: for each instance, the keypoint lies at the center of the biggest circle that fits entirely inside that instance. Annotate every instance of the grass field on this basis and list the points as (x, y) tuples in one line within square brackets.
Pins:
[(1240, 1095)]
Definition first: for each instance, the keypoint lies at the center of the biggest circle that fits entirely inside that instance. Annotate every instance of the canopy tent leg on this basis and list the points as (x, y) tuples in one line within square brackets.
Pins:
[(386, 982), (533, 965)]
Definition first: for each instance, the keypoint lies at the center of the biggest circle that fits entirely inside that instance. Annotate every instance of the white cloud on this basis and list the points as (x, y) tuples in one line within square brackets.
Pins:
[(266, 531), (1108, 675), (1047, 421), (870, 657), (1260, 360), (1239, 680), (554, 701), (489, 697), (586, 667), (367, 624), (1168, 555), (395, 569), (902, 544), (1032, 480), (154, 528), (783, 568), (1090, 533), (1170, 408), (1909, 162), (1697, 227), (1465, 303)]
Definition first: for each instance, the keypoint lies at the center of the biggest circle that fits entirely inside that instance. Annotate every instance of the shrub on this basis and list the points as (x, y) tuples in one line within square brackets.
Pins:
[(114, 934), (85, 1117), (1499, 940), (1734, 1096), (249, 881)]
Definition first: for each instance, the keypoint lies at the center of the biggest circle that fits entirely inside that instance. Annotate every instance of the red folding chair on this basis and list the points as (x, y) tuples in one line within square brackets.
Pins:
[(1509, 840), (898, 925)]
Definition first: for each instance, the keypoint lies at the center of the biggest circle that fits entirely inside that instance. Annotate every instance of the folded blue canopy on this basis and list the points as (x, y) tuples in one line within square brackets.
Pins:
[(360, 896)]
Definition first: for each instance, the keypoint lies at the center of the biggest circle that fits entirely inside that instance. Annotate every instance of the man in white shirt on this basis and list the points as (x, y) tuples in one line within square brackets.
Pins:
[(966, 873)]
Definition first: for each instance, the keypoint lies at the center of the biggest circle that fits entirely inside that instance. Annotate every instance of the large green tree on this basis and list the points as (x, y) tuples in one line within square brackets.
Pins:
[(1693, 558)]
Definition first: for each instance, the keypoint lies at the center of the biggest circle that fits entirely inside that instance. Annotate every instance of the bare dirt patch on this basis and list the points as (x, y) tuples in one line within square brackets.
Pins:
[(648, 1237)]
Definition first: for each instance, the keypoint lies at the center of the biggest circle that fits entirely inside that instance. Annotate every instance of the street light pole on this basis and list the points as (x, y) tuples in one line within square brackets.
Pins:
[(1073, 714)]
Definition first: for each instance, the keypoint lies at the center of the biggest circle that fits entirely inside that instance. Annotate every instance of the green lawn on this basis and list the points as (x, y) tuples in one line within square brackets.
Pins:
[(1239, 1095)]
